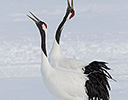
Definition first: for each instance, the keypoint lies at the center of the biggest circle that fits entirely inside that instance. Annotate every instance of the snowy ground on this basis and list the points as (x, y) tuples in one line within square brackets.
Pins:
[(99, 31)]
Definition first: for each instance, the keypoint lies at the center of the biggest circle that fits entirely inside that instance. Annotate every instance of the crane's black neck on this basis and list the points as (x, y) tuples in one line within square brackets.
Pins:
[(43, 40), (60, 27)]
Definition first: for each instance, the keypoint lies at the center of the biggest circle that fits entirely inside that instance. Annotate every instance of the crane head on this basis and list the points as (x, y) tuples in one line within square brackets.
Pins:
[(70, 10), (39, 23)]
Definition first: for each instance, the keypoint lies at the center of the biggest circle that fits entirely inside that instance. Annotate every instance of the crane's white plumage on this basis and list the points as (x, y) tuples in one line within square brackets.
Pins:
[(63, 85)]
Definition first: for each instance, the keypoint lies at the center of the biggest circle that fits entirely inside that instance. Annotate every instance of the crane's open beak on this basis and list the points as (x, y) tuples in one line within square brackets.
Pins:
[(69, 4), (35, 20)]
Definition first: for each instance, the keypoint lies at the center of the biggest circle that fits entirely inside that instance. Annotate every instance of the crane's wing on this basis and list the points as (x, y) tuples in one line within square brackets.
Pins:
[(68, 64)]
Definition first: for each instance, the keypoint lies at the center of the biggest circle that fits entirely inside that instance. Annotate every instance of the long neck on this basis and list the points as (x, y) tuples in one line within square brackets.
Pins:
[(46, 68), (60, 27), (43, 41), (55, 52)]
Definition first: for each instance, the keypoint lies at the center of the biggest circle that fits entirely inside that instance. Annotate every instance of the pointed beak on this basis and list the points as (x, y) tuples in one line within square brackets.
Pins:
[(37, 20), (72, 4), (69, 4)]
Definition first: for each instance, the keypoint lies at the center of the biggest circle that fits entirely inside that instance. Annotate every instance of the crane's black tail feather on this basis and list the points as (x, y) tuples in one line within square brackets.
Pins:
[(97, 87)]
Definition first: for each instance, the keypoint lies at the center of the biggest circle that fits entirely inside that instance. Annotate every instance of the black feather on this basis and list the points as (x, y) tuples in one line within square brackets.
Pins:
[(97, 86)]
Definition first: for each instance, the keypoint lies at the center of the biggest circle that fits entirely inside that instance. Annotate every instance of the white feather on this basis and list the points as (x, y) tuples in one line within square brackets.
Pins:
[(64, 85)]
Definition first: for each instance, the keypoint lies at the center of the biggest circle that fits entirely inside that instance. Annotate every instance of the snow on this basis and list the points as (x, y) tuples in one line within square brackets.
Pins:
[(97, 32), (25, 88)]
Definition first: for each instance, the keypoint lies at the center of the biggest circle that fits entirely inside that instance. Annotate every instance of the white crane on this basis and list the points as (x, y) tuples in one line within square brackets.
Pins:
[(68, 85), (55, 58)]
